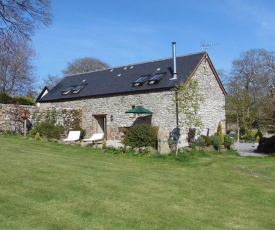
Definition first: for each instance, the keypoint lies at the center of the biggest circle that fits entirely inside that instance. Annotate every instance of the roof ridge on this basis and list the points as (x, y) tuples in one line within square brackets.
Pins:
[(161, 59), (137, 63)]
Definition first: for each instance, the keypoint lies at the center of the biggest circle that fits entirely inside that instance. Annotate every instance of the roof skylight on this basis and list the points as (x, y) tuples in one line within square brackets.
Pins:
[(156, 78), (78, 88), (67, 90), (73, 89), (140, 80)]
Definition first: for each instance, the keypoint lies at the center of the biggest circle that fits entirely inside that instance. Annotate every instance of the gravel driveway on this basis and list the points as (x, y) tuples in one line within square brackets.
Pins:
[(248, 149)]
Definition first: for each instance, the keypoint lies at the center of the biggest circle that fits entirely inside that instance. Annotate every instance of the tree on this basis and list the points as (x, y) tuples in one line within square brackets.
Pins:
[(21, 18), (251, 90), (83, 65), (16, 69), (50, 81), (188, 100)]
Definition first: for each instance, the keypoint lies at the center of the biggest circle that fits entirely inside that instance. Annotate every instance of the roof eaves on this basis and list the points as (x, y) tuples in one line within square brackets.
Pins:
[(106, 95)]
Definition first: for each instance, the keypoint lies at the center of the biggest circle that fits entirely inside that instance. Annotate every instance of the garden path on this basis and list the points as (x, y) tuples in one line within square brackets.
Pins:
[(248, 149)]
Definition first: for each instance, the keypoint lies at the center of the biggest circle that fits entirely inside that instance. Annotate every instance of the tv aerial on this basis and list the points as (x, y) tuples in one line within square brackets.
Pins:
[(204, 46)]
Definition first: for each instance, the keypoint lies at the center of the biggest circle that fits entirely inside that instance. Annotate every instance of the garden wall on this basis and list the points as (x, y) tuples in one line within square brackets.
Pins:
[(11, 117)]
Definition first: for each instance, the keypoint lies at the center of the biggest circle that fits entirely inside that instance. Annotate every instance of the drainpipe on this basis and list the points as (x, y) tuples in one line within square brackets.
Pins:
[(177, 122)]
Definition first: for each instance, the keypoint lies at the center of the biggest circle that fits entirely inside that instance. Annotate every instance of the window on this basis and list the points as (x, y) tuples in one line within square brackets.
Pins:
[(73, 89), (140, 80), (156, 78), (78, 88), (67, 90)]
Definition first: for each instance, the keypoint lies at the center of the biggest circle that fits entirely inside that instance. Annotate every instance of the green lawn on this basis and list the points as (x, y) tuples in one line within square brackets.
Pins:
[(52, 186)]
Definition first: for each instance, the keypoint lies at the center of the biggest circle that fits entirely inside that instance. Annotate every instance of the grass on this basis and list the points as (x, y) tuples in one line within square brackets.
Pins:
[(52, 186)]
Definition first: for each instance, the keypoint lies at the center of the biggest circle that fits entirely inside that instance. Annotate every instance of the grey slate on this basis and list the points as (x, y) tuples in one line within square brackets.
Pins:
[(106, 82)]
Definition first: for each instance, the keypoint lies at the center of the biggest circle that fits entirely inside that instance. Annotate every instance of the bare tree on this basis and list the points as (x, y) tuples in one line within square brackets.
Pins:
[(251, 90), (224, 77), (83, 65), (16, 68), (21, 18), (50, 81)]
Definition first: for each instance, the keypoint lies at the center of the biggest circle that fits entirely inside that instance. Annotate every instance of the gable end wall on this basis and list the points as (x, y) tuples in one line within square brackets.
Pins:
[(212, 111)]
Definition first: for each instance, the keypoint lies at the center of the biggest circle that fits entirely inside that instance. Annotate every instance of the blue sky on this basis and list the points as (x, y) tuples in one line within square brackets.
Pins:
[(129, 31)]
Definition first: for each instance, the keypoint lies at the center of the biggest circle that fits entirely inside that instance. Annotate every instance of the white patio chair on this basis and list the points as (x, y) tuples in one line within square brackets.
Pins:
[(73, 136), (95, 138)]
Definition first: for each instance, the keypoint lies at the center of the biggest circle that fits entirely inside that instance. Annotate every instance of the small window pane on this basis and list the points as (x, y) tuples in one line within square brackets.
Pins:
[(140, 80), (156, 78), (78, 88), (67, 90)]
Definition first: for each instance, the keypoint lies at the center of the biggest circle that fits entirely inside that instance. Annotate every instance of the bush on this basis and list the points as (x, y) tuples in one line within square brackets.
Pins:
[(220, 133), (267, 145), (228, 141), (5, 98), (207, 140), (258, 136), (250, 135), (216, 142), (141, 135), (199, 142), (104, 144), (47, 130), (23, 100)]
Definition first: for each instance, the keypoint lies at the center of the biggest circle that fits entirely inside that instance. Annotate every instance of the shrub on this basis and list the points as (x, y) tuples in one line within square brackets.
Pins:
[(23, 100), (220, 133), (47, 130), (37, 136), (250, 135), (5, 98), (104, 144), (267, 145), (258, 135), (242, 131), (228, 141), (207, 140), (216, 142), (199, 142), (141, 135)]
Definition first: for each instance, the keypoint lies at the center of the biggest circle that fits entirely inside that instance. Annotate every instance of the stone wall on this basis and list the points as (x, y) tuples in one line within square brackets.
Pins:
[(212, 111), (11, 118), (116, 106), (113, 108)]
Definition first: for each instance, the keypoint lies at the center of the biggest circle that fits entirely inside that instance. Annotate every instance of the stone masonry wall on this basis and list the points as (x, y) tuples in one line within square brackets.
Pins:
[(160, 103), (10, 117), (212, 111), (116, 106)]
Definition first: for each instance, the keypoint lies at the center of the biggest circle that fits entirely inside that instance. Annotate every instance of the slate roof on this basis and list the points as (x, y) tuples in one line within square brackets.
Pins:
[(119, 80)]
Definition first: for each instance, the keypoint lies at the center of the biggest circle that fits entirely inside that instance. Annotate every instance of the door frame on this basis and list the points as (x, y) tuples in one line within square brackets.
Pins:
[(104, 116)]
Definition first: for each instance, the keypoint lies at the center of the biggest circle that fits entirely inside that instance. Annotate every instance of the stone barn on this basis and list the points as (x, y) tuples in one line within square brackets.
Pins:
[(104, 96)]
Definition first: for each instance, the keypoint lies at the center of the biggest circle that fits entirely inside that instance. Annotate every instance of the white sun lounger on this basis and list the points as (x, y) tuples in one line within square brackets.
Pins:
[(95, 137), (73, 136)]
